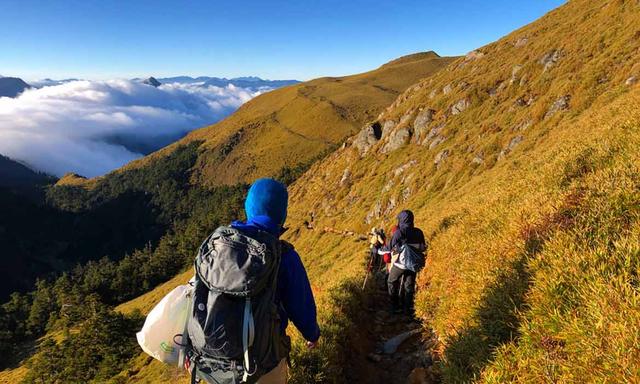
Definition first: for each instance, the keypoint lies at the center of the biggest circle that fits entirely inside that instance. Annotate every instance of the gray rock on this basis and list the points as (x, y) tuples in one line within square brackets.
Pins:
[(406, 117), (631, 81), (511, 146), (391, 205), (478, 159), (447, 89), (397, 139), (387, 127), (437, 141), (525, 101), (433, 94), (460, 106), (346, 178), (401, 169), (441, 157), (523, 125), (422, 121), (521, 42), (561, 104), (550, 59), (391, 345), (432, 134), (369, 135), (406, 194)]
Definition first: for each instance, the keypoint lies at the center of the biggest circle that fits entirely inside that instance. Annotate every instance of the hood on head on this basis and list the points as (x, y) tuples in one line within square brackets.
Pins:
[(405, 219), (267, 197)]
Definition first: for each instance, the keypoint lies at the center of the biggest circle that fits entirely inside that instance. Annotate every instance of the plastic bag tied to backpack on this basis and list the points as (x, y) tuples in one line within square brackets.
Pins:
[(165, 325)]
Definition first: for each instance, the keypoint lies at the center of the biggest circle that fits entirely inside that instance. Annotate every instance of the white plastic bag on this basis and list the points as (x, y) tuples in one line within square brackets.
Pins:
[(166, 320)]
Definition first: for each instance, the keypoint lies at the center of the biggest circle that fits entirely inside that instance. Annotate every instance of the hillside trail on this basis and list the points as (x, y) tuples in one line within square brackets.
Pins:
[(411, 363)]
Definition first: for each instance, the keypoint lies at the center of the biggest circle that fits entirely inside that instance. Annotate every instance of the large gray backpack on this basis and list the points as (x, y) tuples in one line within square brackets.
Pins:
[(234, 327)]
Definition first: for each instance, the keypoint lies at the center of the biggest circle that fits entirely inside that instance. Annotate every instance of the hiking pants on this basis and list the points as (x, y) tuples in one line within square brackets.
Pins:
[(408, 280)]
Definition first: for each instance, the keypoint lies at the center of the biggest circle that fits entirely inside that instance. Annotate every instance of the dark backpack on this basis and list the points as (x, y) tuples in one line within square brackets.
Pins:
[(234, 326)]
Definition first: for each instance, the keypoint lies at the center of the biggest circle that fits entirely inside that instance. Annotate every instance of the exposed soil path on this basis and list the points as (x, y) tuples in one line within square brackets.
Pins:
[(368, 363)]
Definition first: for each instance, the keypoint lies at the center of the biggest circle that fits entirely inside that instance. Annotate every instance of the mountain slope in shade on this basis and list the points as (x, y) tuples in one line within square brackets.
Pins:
[(12, 86), (295, 124), (15, 174)]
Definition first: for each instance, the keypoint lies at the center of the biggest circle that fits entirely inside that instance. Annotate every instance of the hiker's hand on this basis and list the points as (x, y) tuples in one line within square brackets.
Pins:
[(312, 344)]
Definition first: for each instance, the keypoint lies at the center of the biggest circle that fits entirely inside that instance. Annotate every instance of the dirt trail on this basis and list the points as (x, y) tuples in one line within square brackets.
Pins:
[(411, 363)]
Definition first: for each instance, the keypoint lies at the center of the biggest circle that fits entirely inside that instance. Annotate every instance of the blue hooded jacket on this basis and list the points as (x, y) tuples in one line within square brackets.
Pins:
[(266, 208)]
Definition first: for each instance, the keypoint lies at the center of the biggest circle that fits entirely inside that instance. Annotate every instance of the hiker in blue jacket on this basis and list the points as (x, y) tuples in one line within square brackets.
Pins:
[(266, 210), (406, 263)]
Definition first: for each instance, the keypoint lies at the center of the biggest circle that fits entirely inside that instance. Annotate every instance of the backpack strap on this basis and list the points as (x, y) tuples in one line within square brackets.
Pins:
[(248, 330)]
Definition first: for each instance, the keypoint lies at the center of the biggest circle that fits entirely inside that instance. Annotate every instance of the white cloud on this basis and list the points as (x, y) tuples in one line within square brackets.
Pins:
[(93, 127)]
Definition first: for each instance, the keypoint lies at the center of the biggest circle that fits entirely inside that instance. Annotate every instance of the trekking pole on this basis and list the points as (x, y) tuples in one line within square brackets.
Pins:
[(368, 271), (365, 280)]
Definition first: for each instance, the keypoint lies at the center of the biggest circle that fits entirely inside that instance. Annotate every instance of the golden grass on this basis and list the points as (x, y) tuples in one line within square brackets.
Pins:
[(512, 240)]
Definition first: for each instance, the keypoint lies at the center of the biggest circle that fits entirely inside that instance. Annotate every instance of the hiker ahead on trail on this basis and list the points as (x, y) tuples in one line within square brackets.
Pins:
[(408, 246), (248, 285)]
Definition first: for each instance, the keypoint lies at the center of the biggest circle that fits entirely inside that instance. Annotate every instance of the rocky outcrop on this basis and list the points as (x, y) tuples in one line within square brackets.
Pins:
[(561, 104), (460, 106), (525, 101), (346, 178), (550, 59), (401, 169), (367, 137), (447, 89), (437, 141), (435, 131), (387, 127), (399, 138), (421, 123), (510, 147), (441, 157), (631, 81), (521, 42)]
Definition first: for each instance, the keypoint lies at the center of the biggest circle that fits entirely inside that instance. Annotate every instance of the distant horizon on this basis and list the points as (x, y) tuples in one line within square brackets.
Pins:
[(272, 40), (36, 79)]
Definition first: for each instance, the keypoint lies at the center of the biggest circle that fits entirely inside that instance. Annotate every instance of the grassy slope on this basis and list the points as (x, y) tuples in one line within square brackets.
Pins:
[(533, 257), (532, 273), (298, 123), (295, 124)]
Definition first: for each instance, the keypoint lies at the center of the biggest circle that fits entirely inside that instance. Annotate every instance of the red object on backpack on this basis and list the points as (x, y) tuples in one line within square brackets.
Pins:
[(386, 257)]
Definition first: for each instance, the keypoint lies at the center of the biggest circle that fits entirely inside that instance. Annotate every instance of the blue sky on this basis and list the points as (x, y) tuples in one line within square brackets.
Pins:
[(272, 39)]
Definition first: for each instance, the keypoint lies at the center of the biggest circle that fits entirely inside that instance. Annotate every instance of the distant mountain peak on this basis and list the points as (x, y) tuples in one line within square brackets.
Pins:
[(12, 86), (152, 81)]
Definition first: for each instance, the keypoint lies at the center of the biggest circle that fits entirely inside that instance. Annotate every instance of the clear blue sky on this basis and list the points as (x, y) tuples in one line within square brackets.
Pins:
[(299, 39)]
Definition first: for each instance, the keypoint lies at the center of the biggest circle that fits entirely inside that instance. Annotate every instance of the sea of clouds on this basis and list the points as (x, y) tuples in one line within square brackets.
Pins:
[(93, 127)]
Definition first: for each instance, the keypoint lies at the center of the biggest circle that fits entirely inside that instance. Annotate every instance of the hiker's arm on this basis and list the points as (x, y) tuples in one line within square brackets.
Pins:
[(395, 241), (298, 298)]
